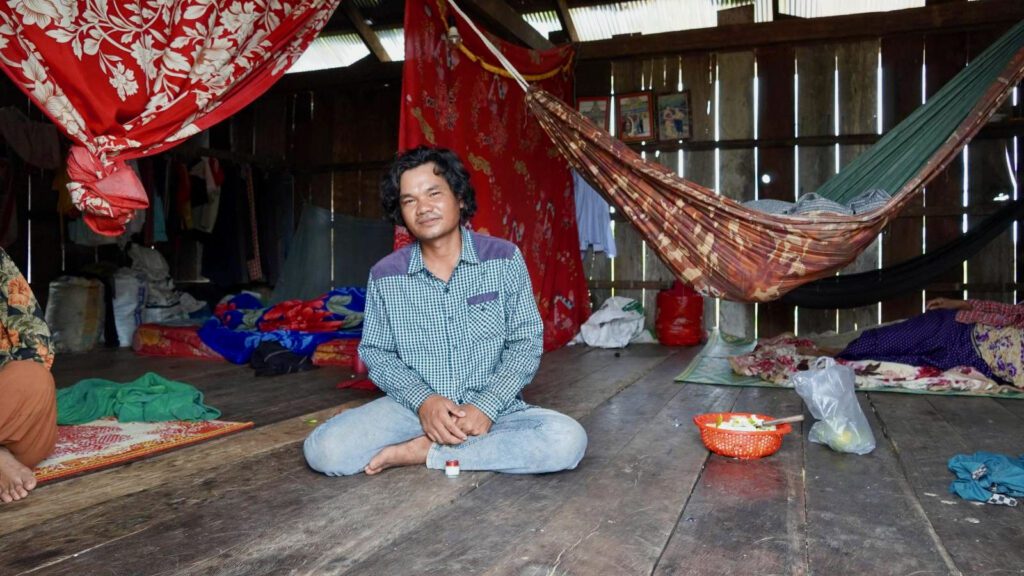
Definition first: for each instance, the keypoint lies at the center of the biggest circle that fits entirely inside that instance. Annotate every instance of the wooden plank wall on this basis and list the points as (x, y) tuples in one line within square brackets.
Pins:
[(21, 181), (989, 175), (857, 66), (816, 66), (629, 76), (736, 167), (666, 78), (339, 141), (698, 71), (837, 95), (776, 66)]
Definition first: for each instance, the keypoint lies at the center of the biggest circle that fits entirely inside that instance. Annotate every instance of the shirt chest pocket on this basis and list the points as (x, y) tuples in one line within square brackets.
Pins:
[(486, 317)]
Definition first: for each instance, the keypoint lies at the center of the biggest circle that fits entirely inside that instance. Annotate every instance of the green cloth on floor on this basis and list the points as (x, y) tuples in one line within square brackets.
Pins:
[(151, 398), (711, 365)]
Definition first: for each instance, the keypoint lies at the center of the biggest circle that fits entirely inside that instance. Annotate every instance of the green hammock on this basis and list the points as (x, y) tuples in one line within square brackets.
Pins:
[(732, 251), (728, 250), (904, 151)]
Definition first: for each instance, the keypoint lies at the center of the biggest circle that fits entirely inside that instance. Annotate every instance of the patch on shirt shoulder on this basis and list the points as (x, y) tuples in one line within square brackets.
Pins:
[(481, 298)]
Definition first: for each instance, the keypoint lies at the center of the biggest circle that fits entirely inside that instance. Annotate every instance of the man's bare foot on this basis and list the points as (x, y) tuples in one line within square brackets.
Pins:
[(15, 478), (405, 454)]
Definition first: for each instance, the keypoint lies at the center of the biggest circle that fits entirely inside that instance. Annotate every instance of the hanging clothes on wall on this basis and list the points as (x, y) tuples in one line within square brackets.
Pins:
[(593, 218), (210, 175), (8, 204), (307, 271), (183, 196), (275, 216), (37, 143), (225, 249), (152, 172), (252, 262)]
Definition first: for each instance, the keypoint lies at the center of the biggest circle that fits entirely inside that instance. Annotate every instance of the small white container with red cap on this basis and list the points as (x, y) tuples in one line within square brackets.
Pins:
[(451, 468)]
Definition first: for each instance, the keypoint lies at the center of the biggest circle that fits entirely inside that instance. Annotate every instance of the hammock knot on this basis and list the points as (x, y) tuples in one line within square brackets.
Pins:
[(107, 193)]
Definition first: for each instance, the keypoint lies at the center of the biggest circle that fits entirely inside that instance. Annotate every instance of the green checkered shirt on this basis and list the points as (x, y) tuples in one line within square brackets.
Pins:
[(476, 339)]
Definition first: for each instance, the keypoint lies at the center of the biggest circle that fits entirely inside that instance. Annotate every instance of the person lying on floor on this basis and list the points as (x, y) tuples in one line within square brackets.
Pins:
[(982, 334), (452, 334), (28, 399)]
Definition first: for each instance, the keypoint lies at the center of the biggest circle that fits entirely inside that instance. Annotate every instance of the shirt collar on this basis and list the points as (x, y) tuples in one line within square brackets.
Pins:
[(468, 254)]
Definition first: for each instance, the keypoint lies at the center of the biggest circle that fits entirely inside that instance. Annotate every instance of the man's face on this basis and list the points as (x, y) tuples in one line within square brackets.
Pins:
[(429, 206)]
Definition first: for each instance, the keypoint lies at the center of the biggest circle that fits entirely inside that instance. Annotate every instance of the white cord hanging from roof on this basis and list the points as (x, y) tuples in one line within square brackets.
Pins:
[(494, 50)]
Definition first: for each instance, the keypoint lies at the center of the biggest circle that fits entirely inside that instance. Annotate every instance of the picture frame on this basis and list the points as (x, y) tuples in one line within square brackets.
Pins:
[(674, 116), (634, 114), (597, 109)]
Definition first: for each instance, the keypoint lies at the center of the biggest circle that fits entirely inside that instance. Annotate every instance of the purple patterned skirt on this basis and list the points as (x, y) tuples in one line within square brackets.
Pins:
[(934, 338)]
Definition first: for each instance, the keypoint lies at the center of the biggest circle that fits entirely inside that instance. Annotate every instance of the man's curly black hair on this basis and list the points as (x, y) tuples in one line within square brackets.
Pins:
[(446, 164)]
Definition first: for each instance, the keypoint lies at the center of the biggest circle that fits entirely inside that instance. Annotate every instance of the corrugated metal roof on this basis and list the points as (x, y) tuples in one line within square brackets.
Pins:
[(393, 40), (822, 8), (331, 51), (602, 22), (646, 16)]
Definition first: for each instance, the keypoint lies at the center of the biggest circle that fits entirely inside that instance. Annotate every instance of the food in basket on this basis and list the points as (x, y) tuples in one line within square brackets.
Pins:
[(740, 423)]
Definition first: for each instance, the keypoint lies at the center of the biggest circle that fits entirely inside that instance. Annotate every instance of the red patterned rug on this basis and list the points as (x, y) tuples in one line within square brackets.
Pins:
[(107, 442)]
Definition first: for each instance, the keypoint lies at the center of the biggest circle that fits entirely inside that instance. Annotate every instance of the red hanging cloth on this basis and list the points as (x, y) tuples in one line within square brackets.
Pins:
[(456, 95), (130, 78)]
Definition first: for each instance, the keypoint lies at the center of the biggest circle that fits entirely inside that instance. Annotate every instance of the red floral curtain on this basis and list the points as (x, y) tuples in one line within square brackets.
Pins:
[(455, 95), (130, 78)]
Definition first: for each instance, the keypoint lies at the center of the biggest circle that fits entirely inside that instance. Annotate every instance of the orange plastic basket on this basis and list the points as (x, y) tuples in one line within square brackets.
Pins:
[(742, 444)]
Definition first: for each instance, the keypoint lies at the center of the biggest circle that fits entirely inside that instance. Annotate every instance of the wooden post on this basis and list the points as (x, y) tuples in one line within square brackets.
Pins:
[(989, 172), (775, 69), (816, 117), (698, 72), (945, 56), (902, 58), (736, 167), (858, 105)]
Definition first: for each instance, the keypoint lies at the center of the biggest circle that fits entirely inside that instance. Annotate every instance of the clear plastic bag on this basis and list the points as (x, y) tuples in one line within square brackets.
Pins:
[(827, 389)]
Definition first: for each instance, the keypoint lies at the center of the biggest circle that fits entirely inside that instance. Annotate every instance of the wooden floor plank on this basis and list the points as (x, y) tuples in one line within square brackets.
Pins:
[(925, 432), (1015, 407), (562, 519), (122, 365), (745, 516), (619, 518), (598, 370), (214, 510), (53, 500), (861, 512), (199, 526), (646, 499)]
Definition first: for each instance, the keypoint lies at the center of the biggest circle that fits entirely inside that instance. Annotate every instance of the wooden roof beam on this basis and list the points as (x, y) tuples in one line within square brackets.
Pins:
[(512, 22), (369, 37), (955, 16), (567, 23)]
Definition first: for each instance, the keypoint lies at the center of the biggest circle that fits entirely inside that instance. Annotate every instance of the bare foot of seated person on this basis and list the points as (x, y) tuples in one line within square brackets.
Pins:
[(405, 454), (16, 480)]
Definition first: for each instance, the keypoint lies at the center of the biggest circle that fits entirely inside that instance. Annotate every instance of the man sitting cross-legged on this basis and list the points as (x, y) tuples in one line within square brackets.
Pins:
[(452, 335)]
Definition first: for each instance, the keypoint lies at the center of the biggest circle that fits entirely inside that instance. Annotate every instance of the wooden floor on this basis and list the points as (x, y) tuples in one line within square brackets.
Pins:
[(647, 498)]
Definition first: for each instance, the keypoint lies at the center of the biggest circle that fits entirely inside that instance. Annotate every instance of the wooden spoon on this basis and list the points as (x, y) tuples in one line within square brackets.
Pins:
[(766, 423)]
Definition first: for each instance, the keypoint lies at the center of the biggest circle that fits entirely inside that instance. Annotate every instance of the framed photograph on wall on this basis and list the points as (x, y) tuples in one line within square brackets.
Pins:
[(674, 119), (597, 109), (634, 114)]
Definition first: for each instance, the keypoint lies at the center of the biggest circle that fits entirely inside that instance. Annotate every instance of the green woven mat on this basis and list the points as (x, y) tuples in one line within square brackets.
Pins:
[(711, 366)]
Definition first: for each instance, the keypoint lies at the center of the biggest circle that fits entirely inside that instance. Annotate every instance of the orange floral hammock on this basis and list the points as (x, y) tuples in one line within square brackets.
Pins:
[(727, 250), (731, 251)]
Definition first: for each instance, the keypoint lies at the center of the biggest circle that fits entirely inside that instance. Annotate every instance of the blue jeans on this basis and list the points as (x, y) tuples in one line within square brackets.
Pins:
[(529, 441)]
